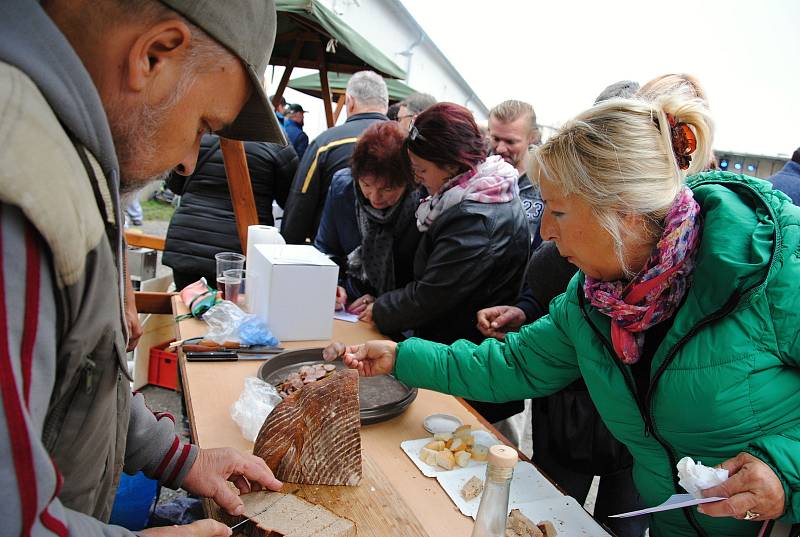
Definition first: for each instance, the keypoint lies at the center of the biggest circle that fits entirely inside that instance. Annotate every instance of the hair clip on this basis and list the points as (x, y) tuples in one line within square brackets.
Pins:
[(684, 141), (413, 133)]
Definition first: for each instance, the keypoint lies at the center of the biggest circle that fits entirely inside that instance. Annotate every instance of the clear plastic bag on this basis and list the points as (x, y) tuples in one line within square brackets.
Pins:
[(253, 406), (223, 322), (227, 322)]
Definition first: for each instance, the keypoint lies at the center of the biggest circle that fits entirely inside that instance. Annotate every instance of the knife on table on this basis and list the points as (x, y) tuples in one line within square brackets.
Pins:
[(226, 355), (249, 349)]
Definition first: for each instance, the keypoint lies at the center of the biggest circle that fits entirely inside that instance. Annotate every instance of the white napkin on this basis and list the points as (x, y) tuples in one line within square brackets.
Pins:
[(694, 477)]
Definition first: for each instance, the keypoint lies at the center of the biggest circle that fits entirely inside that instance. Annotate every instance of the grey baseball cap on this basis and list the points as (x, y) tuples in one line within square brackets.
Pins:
[(246, 28)]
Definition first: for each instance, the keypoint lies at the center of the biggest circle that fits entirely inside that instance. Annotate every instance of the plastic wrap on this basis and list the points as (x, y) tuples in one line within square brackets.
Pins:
[(253, 406)]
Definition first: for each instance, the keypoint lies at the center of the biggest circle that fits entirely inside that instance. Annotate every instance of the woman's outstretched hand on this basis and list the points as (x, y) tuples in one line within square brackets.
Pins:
[(372, 358)]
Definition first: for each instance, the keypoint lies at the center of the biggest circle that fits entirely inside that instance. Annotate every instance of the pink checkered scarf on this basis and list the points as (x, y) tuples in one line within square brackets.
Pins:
[(493, 181), (656, 292)]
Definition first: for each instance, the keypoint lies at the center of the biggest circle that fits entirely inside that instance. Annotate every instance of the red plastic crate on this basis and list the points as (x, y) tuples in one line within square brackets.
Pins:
[(163, 368)]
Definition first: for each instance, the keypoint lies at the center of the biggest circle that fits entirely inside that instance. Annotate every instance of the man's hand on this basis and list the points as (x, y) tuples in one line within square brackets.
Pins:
[(373, 358), (200, 528), (341, 298), (752, 488), (131, 315), (213, 467), (497, 321)]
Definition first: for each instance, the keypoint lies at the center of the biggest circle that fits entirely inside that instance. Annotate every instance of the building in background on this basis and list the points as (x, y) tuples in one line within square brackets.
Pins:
[(761, 166), (389, 26)]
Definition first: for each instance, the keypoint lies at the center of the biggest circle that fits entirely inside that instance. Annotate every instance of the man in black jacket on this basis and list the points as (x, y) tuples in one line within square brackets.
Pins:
[(366, 101)]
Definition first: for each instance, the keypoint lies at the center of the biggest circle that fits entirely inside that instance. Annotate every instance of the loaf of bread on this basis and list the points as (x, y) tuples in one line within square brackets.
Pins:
[(285, 515)]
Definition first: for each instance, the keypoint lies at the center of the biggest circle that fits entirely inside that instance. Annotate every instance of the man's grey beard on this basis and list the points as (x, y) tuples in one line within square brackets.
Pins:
[(132, 129)]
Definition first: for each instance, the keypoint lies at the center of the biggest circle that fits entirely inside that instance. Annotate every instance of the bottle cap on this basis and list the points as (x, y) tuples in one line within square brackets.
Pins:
[(502, 456)]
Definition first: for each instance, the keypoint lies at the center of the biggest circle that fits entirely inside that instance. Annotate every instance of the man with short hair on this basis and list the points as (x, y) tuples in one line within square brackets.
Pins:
[(411, 107), (293, 125), (512, 130), (98, 98), (366, 102)]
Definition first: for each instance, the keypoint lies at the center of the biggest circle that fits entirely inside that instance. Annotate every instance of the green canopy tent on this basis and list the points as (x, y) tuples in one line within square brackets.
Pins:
[(310, 85), (310, 35)]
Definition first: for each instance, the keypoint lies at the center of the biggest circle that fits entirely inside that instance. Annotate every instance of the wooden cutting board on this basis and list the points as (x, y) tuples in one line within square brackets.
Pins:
[(373, 505)]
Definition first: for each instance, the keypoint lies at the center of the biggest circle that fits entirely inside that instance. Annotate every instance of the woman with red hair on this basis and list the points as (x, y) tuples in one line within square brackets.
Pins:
[(367, 225)]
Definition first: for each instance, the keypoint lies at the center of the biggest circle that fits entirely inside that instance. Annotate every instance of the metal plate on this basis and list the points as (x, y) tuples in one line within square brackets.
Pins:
[(380, 398)]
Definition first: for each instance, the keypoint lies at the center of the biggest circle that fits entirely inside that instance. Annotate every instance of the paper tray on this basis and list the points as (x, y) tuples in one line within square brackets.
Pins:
[(566, 514), (527, 485), (413, 447)]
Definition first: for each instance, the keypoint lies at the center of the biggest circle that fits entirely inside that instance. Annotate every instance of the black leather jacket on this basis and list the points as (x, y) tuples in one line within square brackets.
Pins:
[(472, 257)]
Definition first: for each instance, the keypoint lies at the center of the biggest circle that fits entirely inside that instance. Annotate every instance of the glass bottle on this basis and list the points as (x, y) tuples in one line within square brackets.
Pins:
[(493, 510)]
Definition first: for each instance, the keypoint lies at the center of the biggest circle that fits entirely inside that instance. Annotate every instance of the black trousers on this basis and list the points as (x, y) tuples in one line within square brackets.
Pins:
[(617, 493)]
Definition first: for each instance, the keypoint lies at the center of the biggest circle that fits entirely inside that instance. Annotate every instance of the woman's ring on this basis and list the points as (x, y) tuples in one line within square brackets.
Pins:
[(749, 515)]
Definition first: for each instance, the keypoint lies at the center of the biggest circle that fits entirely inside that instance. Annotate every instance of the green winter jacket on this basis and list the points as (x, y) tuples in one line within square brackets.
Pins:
[(724, 380)]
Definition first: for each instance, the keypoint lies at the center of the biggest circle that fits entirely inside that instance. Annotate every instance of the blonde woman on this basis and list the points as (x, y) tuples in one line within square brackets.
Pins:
[(682, 320)]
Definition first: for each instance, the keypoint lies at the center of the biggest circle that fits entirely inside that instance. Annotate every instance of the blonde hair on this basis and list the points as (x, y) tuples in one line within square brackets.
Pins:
[(512, 110), (618, 157), (673, 84)]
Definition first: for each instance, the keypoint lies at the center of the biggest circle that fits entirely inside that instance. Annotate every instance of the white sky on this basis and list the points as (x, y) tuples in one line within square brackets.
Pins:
[(559, 54)]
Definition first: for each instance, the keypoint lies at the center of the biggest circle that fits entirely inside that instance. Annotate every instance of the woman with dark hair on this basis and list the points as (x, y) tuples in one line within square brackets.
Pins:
[(475, 239), (367, 224)]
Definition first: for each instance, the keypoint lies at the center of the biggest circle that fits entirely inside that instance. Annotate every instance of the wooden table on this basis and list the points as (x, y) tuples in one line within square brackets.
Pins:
[(393, 498)]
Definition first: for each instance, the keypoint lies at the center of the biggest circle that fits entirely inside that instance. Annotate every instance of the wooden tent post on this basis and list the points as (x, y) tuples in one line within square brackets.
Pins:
[(324, 86), (339, 107), (287, 72), (244, 205)]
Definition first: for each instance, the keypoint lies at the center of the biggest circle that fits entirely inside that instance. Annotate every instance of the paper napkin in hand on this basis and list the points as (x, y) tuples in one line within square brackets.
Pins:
[(694, 477)]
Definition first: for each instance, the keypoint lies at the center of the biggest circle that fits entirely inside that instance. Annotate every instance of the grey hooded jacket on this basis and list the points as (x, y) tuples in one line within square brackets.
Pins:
[(69, 424)]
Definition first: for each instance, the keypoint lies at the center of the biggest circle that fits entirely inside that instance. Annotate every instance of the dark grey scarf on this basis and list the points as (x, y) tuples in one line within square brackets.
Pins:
[(373, 261)]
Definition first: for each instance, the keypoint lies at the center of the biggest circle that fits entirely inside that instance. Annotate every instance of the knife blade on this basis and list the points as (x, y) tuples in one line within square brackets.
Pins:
[(252, 349), (249, 518)]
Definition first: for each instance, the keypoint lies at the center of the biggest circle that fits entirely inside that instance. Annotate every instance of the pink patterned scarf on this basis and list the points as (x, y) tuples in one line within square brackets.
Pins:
[(493, 181), (655, 293)]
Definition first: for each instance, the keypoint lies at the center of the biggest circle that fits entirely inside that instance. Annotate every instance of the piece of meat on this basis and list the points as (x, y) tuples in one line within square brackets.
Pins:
[(313, 435)]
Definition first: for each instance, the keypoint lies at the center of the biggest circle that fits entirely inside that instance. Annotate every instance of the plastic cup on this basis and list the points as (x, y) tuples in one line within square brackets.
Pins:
[(235, 286), (227, 261)]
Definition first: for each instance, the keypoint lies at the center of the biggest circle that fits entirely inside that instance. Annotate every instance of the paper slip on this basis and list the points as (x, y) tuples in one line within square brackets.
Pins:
[(344, 316), (676, 501)]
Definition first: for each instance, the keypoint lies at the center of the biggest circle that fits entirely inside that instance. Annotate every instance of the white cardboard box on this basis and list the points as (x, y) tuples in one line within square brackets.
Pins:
[(293, 288)]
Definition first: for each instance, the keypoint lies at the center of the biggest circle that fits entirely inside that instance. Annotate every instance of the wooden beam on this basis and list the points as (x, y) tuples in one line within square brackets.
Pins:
[(332, 67), (142, 240), (339, 107), (297, 36), (287, 72), (324, 85), (160, 303), (244, 205)]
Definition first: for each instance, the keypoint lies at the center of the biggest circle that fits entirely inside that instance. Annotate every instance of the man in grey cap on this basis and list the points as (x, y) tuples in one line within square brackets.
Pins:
[(97, 98)]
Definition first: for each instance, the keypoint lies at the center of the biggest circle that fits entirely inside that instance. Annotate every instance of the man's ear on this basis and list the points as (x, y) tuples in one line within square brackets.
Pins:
[(158, 52)]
